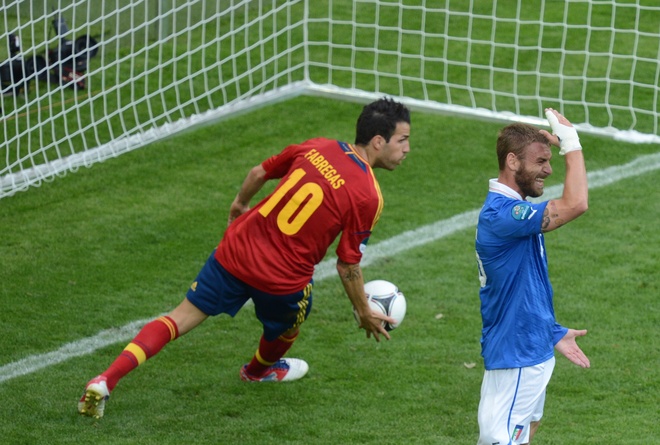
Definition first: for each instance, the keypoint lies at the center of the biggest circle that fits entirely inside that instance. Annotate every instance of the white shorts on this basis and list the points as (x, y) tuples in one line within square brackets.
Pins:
[(510, 400)]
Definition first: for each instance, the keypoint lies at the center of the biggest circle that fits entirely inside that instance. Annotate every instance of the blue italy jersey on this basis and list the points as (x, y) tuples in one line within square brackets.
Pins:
[(519, 327)]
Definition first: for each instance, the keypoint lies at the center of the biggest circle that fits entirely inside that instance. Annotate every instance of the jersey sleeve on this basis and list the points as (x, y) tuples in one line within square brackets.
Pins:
[(352, 243), (558, 332), (278, 165), (519, 219), (361, 219)]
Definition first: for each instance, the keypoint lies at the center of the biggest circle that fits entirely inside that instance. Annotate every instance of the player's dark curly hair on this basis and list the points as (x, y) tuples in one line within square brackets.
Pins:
[(514, 138), (380, 118)]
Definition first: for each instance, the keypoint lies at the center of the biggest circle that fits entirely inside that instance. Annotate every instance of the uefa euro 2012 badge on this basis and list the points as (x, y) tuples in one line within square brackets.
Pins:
[(521, 211)]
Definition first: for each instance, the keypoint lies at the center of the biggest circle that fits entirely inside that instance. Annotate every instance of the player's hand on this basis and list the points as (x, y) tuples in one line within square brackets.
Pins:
[(569, 348), (564, 135), (373, 324), (236, 210)]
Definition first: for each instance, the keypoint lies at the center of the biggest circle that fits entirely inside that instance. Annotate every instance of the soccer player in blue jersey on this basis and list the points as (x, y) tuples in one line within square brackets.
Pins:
[(520, 333)]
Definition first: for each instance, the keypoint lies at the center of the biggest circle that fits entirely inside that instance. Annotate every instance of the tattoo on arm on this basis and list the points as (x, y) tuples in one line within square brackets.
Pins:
[(352, 272), (550, 216), (546, 220)]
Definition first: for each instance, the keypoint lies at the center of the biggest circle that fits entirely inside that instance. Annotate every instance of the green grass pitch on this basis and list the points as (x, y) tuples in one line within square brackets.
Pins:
[(121, 242)]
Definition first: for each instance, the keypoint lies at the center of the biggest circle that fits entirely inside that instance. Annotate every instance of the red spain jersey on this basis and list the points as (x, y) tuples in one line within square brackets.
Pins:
[(326, 188)]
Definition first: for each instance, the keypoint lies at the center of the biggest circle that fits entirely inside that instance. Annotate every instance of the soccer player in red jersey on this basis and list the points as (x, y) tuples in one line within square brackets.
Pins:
[(326, 189)]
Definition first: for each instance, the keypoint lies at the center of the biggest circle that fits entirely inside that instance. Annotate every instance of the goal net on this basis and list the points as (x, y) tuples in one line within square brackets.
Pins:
[(86, 81)]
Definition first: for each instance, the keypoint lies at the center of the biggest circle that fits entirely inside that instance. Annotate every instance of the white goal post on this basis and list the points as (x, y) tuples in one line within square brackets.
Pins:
[(83, 81)]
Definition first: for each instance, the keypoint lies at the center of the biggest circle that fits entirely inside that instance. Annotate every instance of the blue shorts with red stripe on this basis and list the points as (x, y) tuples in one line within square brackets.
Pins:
[(216, 291)]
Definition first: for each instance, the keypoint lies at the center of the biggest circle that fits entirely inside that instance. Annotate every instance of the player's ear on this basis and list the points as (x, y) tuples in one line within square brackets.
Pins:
[(512, 161), (377, 142)]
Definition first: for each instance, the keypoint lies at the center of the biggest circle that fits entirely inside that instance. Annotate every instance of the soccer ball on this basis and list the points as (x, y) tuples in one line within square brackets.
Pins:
[(385, 297)]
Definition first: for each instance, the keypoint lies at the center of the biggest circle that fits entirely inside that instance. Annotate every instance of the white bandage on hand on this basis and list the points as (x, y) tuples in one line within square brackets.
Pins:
[(568, 137)]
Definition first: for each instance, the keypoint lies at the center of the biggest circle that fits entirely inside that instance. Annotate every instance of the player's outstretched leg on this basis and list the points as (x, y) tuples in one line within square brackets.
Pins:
[(284, 370), (148, 342), (92, 402)]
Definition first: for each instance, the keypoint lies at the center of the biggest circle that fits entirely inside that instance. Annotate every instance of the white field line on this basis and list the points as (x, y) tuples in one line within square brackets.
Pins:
[(399, 243)]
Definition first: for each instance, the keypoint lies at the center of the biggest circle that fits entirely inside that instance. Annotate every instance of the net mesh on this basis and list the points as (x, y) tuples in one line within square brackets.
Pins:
[(85, 81)]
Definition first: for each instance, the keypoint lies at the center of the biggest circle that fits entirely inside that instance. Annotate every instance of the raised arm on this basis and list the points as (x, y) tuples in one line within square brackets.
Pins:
[(574, 199)]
